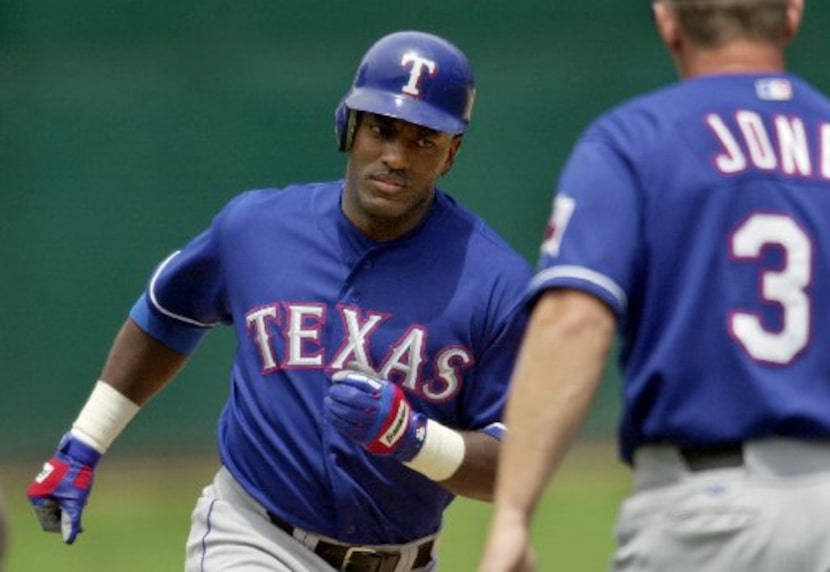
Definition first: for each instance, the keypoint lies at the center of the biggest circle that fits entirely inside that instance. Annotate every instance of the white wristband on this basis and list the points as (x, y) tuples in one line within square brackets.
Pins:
[(106, 413), (441, 454)]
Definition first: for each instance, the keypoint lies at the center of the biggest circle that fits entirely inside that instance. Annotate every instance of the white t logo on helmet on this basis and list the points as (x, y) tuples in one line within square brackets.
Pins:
[(419, 64)]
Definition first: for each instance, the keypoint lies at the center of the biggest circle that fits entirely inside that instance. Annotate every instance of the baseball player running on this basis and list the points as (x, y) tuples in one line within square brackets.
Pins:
[(377, 322), (697, 218)]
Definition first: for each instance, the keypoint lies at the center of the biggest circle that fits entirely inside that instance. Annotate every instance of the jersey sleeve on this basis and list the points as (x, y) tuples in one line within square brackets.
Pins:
[(592, 238), (486, 396), (185, 296)]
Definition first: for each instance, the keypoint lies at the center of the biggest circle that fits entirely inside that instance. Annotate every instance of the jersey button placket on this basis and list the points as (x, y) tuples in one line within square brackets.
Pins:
[(366, 264)]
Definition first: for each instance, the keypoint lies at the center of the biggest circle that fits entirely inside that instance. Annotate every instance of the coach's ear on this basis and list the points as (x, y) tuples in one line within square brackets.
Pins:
[(668, 25), (795, 11)]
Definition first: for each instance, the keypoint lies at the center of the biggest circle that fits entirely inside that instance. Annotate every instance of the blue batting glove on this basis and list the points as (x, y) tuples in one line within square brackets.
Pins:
[(59, 493), (375, 413)]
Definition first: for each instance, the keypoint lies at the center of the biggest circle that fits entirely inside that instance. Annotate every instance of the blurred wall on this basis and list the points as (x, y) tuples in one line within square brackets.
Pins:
[(124, 125)]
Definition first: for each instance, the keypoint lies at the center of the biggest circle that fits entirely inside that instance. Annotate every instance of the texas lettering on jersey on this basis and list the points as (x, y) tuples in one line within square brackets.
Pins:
[(301, 327)]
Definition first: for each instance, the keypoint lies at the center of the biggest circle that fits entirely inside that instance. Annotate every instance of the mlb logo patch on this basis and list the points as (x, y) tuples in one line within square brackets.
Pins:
[(774, 89)]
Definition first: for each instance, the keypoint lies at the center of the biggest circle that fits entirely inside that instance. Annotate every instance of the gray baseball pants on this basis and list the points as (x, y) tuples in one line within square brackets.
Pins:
[(231, 532), (769, 512)]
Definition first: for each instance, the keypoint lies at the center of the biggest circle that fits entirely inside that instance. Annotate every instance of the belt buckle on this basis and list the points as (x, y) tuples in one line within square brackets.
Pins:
[(352, 550)]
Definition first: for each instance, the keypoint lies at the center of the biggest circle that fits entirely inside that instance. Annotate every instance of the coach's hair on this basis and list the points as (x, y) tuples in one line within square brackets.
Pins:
[(712, 23)]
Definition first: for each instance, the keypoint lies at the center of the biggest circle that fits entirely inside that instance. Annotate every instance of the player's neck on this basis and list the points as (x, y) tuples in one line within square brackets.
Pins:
[(738, 57)]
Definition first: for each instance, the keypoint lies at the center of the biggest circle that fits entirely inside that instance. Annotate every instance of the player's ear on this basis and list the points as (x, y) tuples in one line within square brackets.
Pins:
[(455, 145)]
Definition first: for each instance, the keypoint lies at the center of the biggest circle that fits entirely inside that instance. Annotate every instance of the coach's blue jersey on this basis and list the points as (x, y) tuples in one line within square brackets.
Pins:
[(700, 214), (438, 311)]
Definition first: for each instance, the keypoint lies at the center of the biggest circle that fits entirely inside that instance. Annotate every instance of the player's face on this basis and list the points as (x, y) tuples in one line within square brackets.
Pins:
[(393, 169)]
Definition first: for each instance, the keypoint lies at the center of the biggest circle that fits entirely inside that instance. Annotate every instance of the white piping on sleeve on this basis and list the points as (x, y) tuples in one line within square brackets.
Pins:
[(168, 313), (585, 274)]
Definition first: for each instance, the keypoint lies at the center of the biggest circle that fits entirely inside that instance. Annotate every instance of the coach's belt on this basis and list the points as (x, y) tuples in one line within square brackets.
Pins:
[(708, 457), (347, 558)]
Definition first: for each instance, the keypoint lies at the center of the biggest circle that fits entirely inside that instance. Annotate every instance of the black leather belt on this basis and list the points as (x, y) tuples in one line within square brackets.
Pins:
[(708, 457), (358, 558)]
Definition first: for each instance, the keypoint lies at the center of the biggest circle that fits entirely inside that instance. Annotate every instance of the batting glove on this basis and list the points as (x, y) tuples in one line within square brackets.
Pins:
[(59, 493), (375, 413)]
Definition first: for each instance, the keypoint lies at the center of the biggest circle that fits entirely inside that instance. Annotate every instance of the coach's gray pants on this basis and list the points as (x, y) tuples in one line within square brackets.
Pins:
[(770, 515), (231, 532)]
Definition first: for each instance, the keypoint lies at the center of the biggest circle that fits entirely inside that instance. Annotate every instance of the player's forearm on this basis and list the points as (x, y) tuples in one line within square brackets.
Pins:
[(138, 365), (476, 476), (136, 368), (556, 377)]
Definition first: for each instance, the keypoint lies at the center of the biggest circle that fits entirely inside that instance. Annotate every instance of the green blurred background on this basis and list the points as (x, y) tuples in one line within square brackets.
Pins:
[(125, 124)]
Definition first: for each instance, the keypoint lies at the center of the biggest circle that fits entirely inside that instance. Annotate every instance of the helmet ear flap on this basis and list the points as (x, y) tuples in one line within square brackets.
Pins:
[(344, 126)]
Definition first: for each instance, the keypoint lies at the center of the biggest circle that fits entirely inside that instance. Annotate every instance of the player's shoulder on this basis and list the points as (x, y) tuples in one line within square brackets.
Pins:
[(291, 200), (490, 246), (293, 194)]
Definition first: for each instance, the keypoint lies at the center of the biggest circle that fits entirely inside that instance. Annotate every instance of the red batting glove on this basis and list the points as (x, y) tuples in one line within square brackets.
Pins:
[(59, 493)]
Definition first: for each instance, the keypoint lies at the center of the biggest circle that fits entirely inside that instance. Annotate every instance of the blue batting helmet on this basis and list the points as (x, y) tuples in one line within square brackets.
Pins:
[(413, 76)]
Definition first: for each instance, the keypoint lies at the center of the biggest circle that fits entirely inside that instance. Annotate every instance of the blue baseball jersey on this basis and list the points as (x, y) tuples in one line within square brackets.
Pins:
[(700, 213), (438, 311)]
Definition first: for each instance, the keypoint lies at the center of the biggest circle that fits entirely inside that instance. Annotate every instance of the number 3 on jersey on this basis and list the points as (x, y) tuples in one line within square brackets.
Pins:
[(786, 286)]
